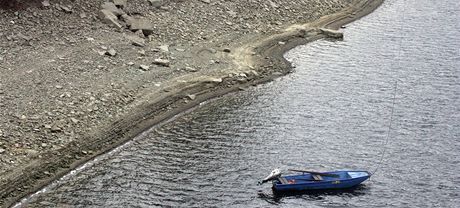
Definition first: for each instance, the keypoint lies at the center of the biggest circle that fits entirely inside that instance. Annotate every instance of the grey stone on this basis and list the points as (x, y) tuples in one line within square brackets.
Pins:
[(191, 97), (127, 19), (112, 8), (214, 80), (190, 69), (136, 41), (109, 18), (74, 120), (111, 52), (2, 151), (164, 48), (46, 3), (156, 3), (144, 67), (66, 9), (332, 33), (120, 3), (141, 24), (161, 62), (56, 129)]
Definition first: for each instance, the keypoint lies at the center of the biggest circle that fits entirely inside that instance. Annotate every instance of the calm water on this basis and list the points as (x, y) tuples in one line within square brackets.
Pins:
[(332, 113)]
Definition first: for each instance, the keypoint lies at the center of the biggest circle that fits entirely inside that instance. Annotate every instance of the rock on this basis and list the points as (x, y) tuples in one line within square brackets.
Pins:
[(161, 62), (144, 67), (273, 4), (206, 1), (191, 97), (156, 3), (120, 3), (66, 9), (130, 63), (109, 18), (227, 50), (112, 8), (136, 41), (164, 48), (215, 80), (140, 34), (127, 19), (141, 52), (332, 33), (46, 3), (55, 129), (142, 24), (111, 52), (74, 120), (83, 15), (190, 69), (2, 150), (255, 73)]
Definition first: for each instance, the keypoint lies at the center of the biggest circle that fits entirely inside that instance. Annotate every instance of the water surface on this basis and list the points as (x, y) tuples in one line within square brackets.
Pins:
[(332, 113)]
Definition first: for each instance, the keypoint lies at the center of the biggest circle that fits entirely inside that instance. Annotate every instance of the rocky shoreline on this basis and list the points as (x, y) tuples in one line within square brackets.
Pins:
[(73, 87)]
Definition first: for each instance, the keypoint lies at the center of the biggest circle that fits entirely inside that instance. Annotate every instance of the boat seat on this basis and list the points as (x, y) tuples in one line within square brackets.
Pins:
[(317, 177), (283, 180)]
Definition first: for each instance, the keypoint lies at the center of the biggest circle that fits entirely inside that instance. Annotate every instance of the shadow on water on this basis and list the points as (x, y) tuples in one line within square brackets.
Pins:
[(313, 195)]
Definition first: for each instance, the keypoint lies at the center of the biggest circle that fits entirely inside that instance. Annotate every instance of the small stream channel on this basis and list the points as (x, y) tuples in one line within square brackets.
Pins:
[(332, 113)]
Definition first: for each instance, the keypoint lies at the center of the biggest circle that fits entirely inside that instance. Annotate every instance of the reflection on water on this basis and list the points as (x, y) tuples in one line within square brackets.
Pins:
[(332, 113)]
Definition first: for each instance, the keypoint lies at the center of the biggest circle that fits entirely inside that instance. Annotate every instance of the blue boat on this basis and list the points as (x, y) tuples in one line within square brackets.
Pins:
[(316, 181)]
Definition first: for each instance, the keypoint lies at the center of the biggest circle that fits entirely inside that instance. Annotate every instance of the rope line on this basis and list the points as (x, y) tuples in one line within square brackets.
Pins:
[(389, 129)]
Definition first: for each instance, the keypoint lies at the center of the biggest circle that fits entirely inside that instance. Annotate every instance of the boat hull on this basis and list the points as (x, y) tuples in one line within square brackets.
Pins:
[(305, 182)]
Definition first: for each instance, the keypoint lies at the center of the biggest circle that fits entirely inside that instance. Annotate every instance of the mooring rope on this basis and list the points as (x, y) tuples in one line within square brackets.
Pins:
[(394, 93), (389, 129)]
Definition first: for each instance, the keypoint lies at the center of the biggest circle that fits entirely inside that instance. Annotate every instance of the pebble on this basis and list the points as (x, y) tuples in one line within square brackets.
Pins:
[(191, 97), (46, 3), (190, 69), (164, 48), (74, 120), (111, 52), (144, 67), (161, 62), (66, 9)]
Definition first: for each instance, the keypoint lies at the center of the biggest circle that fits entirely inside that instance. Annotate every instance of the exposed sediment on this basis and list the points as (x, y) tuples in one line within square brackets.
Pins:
[(65, 114)]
